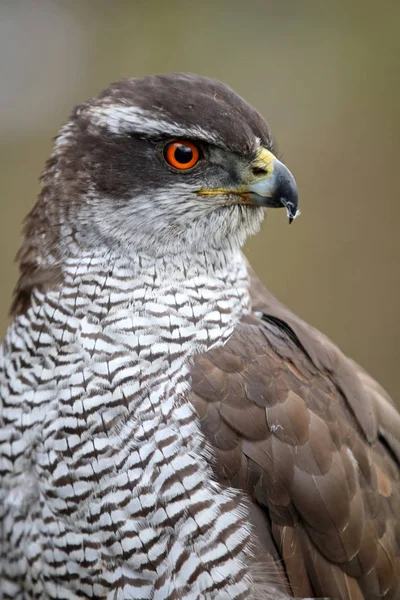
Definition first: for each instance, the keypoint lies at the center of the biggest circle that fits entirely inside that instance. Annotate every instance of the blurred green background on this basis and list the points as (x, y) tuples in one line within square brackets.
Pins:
[(325, 74)]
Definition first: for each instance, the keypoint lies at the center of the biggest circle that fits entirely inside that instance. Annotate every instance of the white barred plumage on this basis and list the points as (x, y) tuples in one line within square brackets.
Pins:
[(94, 377)]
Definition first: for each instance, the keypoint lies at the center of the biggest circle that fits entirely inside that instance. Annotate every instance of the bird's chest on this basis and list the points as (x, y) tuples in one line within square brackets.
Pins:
[(122, 474), (118, 414)]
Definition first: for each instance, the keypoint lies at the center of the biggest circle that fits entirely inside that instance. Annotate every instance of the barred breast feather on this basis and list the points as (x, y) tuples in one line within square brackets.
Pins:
[(107, 486)]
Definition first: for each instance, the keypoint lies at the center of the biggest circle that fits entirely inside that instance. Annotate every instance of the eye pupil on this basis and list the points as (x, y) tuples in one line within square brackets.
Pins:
[(183, 154)]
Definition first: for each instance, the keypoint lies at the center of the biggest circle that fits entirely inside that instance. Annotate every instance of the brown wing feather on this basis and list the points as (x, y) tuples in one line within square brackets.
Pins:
[(315, 443)]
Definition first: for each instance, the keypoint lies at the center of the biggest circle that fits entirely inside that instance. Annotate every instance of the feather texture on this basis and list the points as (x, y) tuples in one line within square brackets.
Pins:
[(106, 484), (301, 437)]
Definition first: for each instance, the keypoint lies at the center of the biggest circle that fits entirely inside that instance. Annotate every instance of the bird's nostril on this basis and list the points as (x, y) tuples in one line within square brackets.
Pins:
[(257, 171)]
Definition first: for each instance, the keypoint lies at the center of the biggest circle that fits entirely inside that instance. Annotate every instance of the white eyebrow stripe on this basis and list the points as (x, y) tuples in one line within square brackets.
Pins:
[(124, 119)]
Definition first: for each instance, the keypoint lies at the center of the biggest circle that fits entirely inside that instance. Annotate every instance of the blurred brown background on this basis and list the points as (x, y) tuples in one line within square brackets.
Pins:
[(327, 77)]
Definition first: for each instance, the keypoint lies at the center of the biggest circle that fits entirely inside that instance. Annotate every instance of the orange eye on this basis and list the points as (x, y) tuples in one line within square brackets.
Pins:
[(181, 154)]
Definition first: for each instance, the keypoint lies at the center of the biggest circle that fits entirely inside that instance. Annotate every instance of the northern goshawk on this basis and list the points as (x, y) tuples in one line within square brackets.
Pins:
[(168, 429)]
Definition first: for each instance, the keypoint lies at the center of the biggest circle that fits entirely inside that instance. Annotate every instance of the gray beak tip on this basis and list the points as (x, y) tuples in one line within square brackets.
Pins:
[(292, 215)]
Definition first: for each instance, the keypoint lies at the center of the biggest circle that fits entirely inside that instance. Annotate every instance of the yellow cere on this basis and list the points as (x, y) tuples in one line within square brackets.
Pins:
[(264, 160)]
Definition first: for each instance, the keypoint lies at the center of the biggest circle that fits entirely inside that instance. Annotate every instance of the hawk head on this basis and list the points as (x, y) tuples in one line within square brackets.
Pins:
[(166, 163)]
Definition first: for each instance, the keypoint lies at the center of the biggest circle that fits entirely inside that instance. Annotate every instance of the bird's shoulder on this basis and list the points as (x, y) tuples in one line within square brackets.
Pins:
[(314, 443)]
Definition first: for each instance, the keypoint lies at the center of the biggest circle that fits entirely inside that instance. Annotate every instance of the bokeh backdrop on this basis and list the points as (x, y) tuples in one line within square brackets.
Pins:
[(327, 77)]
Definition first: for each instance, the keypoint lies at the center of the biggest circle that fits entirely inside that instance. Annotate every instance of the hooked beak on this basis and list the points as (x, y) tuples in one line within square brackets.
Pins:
[(276, 187), (270, 184)]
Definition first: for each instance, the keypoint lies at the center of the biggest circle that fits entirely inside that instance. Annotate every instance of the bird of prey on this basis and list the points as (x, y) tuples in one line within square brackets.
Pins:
[(168, 429)]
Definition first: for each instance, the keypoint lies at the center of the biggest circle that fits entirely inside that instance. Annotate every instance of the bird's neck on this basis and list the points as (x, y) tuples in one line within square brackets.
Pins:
[(206, 291)]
